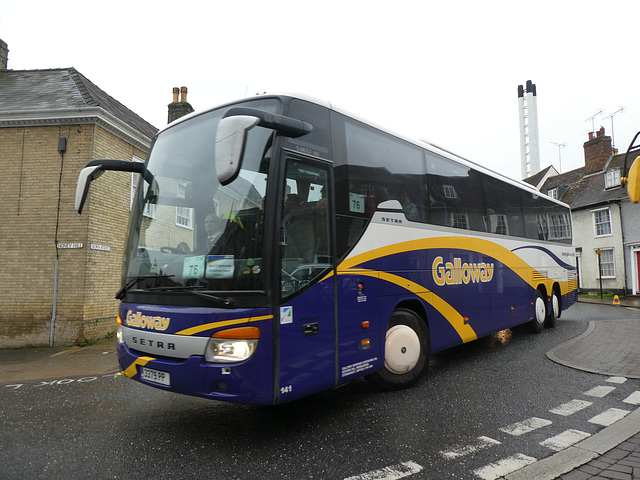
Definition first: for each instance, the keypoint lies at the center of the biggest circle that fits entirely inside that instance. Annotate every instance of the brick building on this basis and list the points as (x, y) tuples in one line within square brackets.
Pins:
[(60, 268)]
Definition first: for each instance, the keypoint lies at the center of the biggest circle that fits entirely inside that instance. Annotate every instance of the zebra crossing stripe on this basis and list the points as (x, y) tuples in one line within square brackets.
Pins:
[(633, 399), (480, 444), (564, 440), (618, 380), (610, 416), (526, 426), (600, 391), (503, 467), (571, 407), (394, 472)]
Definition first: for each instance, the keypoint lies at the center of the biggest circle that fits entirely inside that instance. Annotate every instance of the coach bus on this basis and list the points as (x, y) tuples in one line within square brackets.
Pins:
[(278, 246)]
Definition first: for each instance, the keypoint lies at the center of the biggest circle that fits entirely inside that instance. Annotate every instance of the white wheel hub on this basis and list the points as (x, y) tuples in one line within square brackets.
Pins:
[(541, 310), (555, 304), (401, 349)]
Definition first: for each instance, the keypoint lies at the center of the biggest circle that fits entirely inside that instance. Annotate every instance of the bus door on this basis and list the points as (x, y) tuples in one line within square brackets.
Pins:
[(307, 331)]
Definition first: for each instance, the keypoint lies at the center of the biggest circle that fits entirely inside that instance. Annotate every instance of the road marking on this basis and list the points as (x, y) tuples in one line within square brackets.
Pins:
[(480, 444), (571, 407), (503, 467), (610, 416), (600, 391), (618, 380), (393, 472), (564, 440), (526, 426), (633, 399)]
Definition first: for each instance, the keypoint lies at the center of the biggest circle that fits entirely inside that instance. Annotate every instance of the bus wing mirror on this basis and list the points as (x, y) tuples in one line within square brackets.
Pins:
[(95, 168), (231, 138)]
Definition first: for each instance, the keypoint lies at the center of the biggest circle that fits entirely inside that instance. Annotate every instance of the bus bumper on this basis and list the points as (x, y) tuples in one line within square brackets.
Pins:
[(244, 382)]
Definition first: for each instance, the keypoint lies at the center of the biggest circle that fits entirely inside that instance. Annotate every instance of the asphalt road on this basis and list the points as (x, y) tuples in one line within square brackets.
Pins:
[(456, 423)]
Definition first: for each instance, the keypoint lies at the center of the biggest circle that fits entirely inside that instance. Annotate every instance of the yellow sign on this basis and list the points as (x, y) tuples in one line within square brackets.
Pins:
[(616, 300)]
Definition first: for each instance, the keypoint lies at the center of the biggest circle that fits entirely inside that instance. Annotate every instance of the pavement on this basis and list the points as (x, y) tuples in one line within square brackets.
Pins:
[(607, 348)]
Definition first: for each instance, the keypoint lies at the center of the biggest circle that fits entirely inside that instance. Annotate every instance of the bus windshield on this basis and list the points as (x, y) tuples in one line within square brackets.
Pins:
[(188, 232)]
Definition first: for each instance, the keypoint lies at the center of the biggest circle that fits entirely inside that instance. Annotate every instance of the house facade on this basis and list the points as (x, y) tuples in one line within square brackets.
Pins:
[(61, 269), (606, 226)]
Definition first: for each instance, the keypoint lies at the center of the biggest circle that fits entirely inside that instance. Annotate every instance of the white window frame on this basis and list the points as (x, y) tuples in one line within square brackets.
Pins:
[(559, 226), (597, 223), (553, 193), (610, 271), (449, 191), (184, 215), (460, 220), (612, 178)]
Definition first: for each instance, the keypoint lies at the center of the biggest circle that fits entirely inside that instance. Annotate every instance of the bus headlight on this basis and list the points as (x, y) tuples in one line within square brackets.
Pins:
[(232, 345), (119, 331)]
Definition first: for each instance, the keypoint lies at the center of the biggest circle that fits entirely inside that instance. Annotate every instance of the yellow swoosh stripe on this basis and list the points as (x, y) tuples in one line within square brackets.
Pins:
[(132, 369), (456, 320), (485, 247), (224, 323)]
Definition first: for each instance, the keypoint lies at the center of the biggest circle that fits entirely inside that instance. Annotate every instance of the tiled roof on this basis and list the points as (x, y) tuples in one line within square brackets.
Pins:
[(62, 89), (582, 191), (534, 179)]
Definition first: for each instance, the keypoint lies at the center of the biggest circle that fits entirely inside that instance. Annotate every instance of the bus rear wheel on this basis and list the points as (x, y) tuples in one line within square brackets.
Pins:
[(539, 312), (406, 351), (555, 310)]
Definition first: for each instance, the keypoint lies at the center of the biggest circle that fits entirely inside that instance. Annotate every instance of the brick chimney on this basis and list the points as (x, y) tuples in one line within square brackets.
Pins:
[(597, 151), (4, 55), (179, 108)]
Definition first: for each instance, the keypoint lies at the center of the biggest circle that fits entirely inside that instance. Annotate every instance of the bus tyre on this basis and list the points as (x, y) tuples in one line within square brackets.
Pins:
[(406, 351), (539, 312), (554, 311)]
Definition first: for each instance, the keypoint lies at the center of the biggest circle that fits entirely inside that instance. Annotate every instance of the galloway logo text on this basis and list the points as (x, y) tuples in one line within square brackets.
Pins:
[(458, 273), (146, 321)]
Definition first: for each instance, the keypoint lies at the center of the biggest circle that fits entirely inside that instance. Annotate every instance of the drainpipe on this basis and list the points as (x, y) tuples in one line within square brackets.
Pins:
[(62, 147)]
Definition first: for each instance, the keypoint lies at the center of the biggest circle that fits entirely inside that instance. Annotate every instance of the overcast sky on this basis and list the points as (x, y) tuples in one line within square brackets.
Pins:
[(447, 71)]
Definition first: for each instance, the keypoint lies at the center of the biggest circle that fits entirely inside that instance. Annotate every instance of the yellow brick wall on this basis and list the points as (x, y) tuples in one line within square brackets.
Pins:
[(87, 279)]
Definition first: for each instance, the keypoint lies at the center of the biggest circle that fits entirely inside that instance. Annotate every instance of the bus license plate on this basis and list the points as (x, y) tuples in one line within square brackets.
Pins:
[(156, 376)]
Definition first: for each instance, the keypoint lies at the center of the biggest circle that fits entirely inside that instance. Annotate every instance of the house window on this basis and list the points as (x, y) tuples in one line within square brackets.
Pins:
[(553, 193), (184, 215), (607, 265), (449, 191), (460, 220), (602, 222), (612, 178), (559, 226)]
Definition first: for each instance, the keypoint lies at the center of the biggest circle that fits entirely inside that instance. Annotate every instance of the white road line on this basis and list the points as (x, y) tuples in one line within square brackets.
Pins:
[(618, 380), (610, 416), (633, 399), (564, 440), (571, 407), (503, 467), (600, 391), (480, 444), (393, 472), (526, 426)]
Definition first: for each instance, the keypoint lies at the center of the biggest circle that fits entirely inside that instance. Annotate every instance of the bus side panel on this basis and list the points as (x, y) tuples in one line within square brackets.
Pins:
[(307, 342), (362, 324)]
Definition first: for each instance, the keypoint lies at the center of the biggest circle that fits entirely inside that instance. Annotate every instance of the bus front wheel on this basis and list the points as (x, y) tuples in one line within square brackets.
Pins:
[(406, 351)]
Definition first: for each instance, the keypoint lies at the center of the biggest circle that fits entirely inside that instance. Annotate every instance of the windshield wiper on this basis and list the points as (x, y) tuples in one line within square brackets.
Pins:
[(123, 291), (195, 290)]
